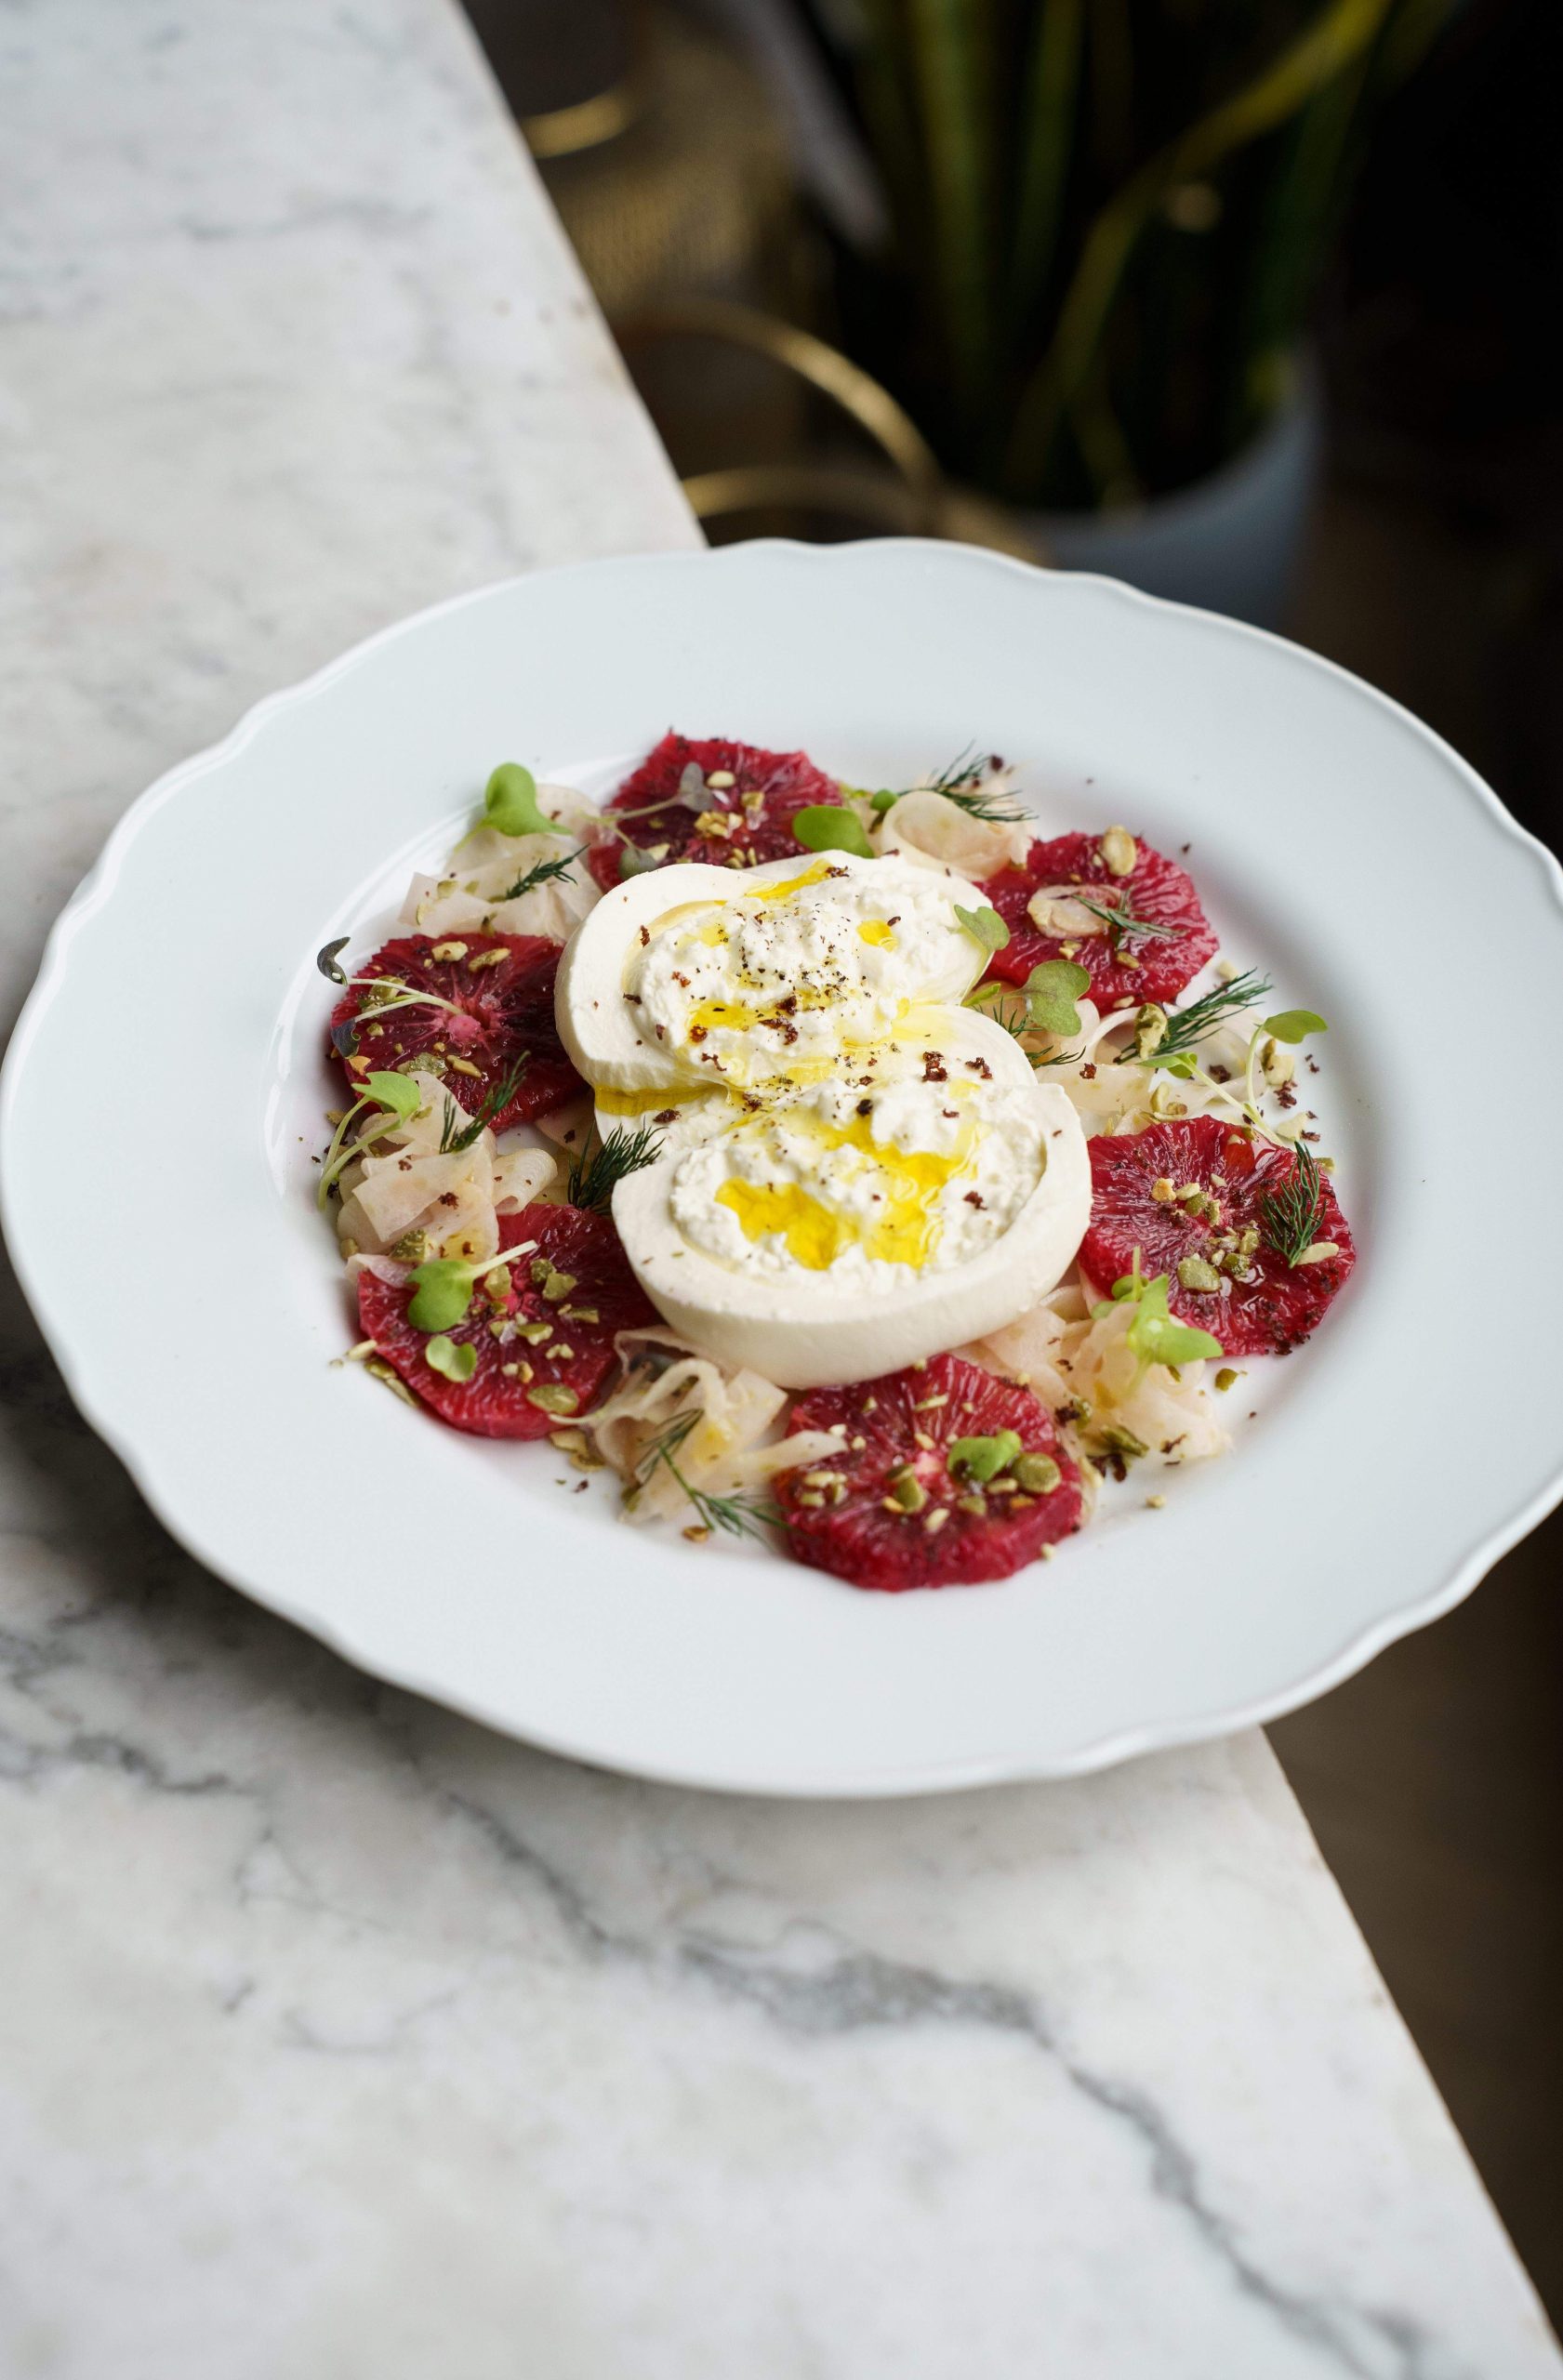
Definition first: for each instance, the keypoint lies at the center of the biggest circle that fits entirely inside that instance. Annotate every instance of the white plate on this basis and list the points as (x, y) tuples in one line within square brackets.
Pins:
[(163, 1096)]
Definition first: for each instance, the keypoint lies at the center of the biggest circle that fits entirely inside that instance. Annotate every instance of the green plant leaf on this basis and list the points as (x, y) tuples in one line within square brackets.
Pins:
[(1052, 990), (826, 826), (986, 927), (442, 1293), (635, 860), (326, 959), (510, 803), (982, 1459), (455, 1363), (398, 1092), (882, 801), (1295, 1025), (1155, 1336)]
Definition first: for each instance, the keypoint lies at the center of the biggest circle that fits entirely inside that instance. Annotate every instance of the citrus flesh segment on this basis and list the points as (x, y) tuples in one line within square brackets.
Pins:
[(541, 1330), (890, 1510), (1209, 1205), (707, 799), (475, 1007), (1161, 945)]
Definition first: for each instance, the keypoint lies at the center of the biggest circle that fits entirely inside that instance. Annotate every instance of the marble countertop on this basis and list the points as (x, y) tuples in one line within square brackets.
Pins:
[(338, 2036)]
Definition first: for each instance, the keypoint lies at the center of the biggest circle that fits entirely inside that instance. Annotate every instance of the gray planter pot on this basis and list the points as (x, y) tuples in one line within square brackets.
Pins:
[(1231, 544)]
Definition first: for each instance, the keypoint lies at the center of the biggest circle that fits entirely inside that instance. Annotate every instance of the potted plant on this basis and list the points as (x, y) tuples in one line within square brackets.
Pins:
[(1104, 223)]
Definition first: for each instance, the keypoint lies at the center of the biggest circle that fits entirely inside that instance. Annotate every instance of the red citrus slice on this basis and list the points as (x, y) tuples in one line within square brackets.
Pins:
[(1124, 966), (888, 1511), (739, 824), (543, 1329), (500, 988), (1226, 1250)]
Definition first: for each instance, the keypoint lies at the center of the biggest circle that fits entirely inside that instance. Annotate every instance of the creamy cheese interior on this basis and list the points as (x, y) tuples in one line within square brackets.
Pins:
[(906, 1162), (745, 988)]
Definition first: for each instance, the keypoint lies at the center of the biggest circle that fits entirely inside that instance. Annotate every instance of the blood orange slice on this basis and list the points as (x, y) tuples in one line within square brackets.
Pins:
[(903, 1504), (542, 1330), (475, 1007), (708, 800), (1158, 945), (1252, 1236)]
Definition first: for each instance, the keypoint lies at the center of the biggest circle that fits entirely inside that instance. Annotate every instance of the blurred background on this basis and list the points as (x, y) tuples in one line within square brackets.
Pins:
[(1252, 303)]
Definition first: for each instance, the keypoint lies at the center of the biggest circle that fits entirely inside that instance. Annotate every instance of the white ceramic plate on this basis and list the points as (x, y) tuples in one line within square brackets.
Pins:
[(159, 1209)]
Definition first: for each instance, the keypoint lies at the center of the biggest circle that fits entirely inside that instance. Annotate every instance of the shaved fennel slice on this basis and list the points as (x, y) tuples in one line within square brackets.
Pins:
[(928, 827), (667, 1382)]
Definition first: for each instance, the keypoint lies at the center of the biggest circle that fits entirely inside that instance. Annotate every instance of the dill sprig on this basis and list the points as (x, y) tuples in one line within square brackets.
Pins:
[(547, 871), (1289, 1217), (453, 1140), (595, 1175), (961, 781), (1186, 1028), (736, 1515), (1124, 923)]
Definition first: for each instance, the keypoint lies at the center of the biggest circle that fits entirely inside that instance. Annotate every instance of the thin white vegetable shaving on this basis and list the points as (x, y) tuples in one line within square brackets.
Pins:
[(666, 1381), (929, 828), (1071, 1360), (470, 897), (403, 1187)]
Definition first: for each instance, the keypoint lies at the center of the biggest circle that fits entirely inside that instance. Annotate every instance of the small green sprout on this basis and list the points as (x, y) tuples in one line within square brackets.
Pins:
[(826, 826), (455, 1362), (396, 1097), (986, 927), (510, 803), (1154, 1335), (1052, 991), (442, 1288), (982, 1459), (1295, 1025)]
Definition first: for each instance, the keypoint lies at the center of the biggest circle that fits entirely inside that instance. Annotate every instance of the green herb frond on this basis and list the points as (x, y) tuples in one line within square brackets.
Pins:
[(595, 1175), (453, 1138), (736, 1516), (1123, 923), (1186, 1028), (547, 871), (1290, 1217)]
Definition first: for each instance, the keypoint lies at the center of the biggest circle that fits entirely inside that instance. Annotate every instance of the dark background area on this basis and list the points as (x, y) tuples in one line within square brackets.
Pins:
[(1434, 569)]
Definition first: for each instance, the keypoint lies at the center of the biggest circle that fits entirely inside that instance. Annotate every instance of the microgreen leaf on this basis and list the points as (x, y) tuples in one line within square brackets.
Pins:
[(982, 1459), (1052, 990), (882, 801), (594, 1178), (510, 803), (1155, 1336), (442, 1293), (1295, 1024), (636, 860), (326, 959), (443, 1356), (826, 826), (398, 1092), (986, 927)]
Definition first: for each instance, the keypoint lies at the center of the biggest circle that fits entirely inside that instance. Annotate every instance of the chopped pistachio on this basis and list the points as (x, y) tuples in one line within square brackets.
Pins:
[(934, 1522), (1038, 1473), (553, 1398), (448, 951), (1319, 1253), (1225, 1377), (557, 1286), (1195, 1274), (1118, 853), (1163, 1188), (906, 1489)]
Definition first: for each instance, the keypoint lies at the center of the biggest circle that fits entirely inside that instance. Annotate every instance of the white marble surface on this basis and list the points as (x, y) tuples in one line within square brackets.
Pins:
[(336, 2036)]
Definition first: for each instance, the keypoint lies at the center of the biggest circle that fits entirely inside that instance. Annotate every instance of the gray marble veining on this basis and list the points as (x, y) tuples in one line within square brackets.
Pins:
[(339, 2037)]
